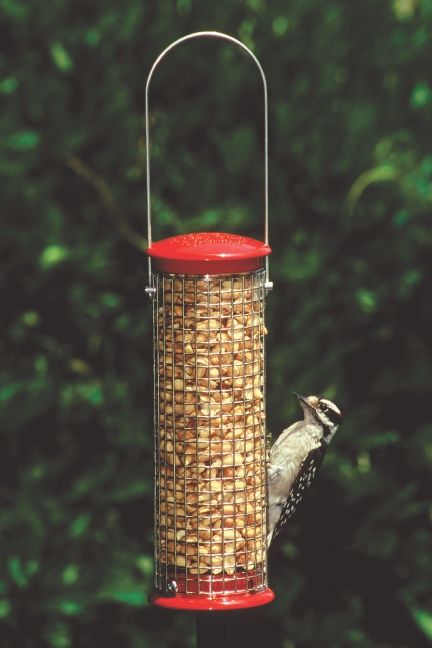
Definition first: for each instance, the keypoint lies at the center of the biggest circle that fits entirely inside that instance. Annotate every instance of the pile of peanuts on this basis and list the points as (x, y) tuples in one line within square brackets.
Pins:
[(210, 473)]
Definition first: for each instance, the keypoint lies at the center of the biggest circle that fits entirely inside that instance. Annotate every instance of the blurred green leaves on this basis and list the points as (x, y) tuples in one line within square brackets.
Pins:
[(16, 570), (421, 95), (80, 525), (23, 140), (5, 609), (424, 619), (61, 57), (130, 597), (350, 317), (52, 255), (70, 574), (8, 85), (366, 300)]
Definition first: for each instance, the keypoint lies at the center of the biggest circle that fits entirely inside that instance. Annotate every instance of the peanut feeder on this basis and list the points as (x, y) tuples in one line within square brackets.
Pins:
[(208, 292)]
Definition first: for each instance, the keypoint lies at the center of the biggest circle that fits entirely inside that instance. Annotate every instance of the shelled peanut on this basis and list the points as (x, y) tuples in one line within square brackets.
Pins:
[(210, 414)]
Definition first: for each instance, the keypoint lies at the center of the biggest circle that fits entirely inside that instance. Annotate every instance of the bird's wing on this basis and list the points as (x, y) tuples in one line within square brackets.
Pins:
[(273, 472), (304, 478)]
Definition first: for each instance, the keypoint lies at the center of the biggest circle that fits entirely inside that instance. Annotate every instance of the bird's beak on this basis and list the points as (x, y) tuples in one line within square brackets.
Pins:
[(303, 400)]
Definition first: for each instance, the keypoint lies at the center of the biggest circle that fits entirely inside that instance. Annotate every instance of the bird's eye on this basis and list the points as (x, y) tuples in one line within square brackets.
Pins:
[(324, 408)]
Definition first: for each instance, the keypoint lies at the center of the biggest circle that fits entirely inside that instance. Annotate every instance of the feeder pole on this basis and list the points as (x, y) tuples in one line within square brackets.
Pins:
[(213, 629)]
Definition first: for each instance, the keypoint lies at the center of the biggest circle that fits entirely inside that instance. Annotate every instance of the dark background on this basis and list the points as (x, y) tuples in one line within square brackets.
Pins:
[(350, 315)]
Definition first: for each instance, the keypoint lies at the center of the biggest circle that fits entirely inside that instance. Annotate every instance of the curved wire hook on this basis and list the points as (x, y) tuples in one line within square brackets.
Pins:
[(231, 39)]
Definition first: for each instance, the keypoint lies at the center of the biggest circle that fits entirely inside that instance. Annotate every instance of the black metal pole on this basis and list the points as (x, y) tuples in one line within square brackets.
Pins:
[(213, 630), (236, 628)]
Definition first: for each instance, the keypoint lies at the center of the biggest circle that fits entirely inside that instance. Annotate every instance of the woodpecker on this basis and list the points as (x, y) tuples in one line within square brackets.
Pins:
[(296, 456)]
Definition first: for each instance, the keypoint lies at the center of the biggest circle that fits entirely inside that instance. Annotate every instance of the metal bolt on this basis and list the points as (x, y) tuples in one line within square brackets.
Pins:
[(150, 291), (172, 587)]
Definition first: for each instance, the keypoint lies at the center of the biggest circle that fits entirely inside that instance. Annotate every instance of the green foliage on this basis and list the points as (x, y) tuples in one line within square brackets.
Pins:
[(350, 315)]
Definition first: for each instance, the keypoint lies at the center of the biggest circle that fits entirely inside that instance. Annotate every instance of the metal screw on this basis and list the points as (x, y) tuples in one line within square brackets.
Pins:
[(150, 291), (172, 587)]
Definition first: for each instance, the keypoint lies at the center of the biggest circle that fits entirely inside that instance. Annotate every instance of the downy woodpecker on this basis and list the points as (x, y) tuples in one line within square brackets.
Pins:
[(296, 457)]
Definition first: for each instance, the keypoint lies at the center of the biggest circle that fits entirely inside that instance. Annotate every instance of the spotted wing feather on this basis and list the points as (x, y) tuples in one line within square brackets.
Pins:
[(305, 477)]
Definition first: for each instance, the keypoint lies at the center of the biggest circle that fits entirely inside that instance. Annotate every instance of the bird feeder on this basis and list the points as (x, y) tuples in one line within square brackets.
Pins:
[(208, 292)]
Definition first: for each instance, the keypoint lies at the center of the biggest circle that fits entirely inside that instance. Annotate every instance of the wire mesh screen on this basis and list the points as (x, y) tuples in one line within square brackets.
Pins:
[(210, 441)]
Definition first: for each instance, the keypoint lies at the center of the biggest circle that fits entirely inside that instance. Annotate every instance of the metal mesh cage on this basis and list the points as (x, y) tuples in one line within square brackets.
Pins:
[(210, 441)]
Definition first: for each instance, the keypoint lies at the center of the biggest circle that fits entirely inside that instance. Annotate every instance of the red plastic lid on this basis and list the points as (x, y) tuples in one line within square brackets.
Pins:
[(208, 253)]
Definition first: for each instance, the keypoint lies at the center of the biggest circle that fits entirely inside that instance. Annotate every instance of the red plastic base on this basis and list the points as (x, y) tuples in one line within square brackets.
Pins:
[(197, 602)]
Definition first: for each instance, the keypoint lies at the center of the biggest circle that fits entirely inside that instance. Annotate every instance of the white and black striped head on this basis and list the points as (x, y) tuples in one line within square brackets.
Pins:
[(323, 412)]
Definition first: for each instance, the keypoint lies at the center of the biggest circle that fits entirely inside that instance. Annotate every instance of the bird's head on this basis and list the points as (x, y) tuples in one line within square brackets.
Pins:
[(321, 411)]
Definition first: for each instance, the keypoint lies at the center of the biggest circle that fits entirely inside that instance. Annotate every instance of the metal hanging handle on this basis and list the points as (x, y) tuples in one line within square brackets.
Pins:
[(230, 39)]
